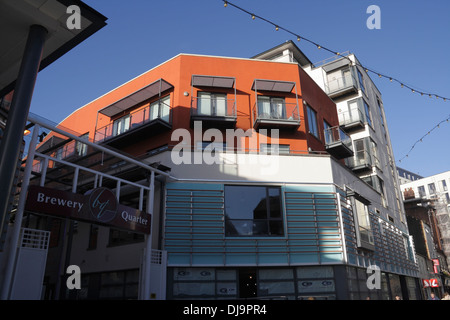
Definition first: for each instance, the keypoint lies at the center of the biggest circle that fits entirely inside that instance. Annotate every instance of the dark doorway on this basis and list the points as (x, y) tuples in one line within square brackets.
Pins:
[(247, 283)]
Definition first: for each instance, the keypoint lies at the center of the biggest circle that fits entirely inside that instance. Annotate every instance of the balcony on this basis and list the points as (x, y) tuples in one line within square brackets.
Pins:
[(275, 115), (351, 119), (341, 86), (216, 111), (137, 125), (360, 162), (338, 143)]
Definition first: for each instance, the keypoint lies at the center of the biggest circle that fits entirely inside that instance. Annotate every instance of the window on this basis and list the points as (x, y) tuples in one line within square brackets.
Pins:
[(253, 211), (443, 185), (327, 133), (432, 188), (274, 148), (121, 125), (271, 107), (212, 104), (422, 192), (361, 82), (380, 110), (312, 121), (367, 113), (447, 197), (81, 148), (364, 233)]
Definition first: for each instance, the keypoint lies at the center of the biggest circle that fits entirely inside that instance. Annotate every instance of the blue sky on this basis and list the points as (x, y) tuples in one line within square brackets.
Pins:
[(412, 46)]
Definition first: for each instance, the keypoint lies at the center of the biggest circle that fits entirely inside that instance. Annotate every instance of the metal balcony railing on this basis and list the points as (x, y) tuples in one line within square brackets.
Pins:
[(159, 110), (213, 107)]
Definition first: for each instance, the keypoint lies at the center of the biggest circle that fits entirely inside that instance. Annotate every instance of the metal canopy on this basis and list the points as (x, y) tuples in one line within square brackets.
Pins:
[(212, 81), (17, 16), (272, 85), (148, 92)]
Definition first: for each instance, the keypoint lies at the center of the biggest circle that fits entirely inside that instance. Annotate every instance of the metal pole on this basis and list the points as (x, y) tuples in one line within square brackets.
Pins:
[(9, 270), (148, 247), (17, 117)]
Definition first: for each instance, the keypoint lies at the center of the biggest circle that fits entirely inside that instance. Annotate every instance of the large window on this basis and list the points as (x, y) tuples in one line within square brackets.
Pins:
[(364, 231), (312, 121), (253, 211)]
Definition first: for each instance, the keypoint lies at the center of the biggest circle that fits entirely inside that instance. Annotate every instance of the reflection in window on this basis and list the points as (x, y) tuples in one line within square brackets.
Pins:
[(312, 121), (253, 211)]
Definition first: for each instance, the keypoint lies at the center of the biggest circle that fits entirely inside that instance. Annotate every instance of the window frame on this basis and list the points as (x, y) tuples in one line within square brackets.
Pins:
[(269, 220), (313, 125)]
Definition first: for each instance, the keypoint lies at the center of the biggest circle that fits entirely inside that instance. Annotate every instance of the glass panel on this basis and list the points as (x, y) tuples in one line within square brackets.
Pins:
[(193, 288), (264, 107), (165, 109), (226, 274), (204, 103), (276, 274), (221, 105), (278, 108), (182, 274), (315, 272), (253, 210), (226, 288), (272, 288)]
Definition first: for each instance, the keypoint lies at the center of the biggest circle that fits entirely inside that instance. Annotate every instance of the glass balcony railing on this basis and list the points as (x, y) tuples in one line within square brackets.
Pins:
[(337, 135), (361, 159), (351, 118), (341, 85), (265, 111), (158, 110), (338, 143)]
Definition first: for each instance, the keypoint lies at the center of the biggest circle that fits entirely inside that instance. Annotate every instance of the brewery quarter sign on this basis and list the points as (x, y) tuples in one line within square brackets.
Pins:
[(99, 206)]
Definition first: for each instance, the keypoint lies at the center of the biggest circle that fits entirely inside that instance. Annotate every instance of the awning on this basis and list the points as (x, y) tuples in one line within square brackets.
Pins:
[(17, 16), (272, 85), (212, 81), (136, 97)]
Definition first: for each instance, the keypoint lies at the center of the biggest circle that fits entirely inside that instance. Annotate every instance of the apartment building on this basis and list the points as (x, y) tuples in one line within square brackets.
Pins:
[(267, 195), (433, 191)]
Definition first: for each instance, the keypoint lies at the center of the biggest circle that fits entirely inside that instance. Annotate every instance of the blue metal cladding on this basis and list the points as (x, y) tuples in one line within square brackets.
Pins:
[(194, 228)]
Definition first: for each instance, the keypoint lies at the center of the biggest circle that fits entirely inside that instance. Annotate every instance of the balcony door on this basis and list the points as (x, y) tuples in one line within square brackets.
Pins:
[(338, 79), (121, 125), (271, 107), (212, 104)]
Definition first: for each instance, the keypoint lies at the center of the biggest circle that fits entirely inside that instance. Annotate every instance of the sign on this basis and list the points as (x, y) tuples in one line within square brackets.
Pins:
[(435, 265), (99, 206), (430, 283)]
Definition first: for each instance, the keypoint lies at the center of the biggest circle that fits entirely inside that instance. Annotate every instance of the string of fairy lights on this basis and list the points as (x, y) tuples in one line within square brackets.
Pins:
[(368, 70)]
